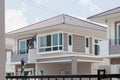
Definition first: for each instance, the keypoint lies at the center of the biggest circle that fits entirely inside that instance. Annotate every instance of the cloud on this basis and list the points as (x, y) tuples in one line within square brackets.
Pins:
[(14, 19), (91, 5)]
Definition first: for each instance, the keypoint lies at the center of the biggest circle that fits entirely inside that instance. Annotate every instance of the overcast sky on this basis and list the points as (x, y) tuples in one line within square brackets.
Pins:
[(20, 13)]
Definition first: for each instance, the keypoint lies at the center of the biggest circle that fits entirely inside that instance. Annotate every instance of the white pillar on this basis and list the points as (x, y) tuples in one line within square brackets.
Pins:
[(74, 66), (36, 70), (2, 40)]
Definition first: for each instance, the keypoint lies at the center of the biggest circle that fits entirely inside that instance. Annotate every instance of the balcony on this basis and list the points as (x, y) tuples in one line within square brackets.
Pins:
[(114, 46), (15, 56)]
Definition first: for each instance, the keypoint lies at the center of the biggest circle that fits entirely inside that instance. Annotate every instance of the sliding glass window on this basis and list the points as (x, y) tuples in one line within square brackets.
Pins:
[(51, 42)]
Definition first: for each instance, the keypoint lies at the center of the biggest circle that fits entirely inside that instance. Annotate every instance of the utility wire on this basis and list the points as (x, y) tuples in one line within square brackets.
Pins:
[(34, 4), (45, 7)]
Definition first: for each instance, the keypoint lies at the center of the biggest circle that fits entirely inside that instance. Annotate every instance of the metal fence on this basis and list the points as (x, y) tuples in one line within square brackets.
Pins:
[(100, 76)]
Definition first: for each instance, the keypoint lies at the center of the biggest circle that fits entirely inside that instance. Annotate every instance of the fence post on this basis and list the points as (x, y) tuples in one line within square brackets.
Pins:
[(101, 73)]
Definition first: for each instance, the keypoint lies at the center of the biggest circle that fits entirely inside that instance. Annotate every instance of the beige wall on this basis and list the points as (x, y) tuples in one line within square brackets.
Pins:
[(59, 68), (65, 42), (53, 68), (2, 41), (78, 43), (115, 61), (84, 68)]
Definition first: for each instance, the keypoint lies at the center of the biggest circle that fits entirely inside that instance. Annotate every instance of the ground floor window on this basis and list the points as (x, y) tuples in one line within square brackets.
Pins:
[(10, 74), (41, 72)]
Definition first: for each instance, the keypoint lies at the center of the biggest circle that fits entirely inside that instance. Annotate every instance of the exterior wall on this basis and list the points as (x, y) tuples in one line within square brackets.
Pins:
[(111, 29), (78, 43), (115, 60), (63, 68), (104, 48), (96, 66), (91, 45), (2, 40), (26, 66), (84, 68), (53, 68), (65, 42), (10, 68), (83, 31), (29, 67), (112, 34)]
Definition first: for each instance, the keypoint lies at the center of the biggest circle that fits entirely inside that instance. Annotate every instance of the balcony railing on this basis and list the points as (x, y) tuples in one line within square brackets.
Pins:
[(114, 42), (16, 56), (114, 46)]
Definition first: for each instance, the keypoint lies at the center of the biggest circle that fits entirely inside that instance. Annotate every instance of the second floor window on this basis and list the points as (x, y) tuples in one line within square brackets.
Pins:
[(87, 42), (52, 42), (23, 46)]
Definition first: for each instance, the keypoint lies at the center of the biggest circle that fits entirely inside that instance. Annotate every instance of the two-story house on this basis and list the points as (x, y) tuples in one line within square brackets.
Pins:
[(112, 45), (59, 45)]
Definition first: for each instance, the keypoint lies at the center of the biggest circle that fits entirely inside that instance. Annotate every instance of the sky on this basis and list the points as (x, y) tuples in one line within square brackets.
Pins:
[(20, 13)]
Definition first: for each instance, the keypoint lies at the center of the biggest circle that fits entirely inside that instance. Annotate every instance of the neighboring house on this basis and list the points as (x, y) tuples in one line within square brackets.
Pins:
[(8, 48), (59, 45), (111, 47)]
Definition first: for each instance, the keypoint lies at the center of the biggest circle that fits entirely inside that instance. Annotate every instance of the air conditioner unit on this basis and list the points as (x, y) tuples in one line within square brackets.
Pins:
[(110, 69)]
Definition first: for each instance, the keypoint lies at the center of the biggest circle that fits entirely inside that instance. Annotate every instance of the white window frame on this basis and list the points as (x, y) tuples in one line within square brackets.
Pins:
[(88, 42), (118, 35), (25, 43), (38, 36), (97, 44)]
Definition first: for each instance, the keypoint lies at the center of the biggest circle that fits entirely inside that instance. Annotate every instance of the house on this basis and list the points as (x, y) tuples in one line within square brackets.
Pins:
[(112, 19), (59, 45)]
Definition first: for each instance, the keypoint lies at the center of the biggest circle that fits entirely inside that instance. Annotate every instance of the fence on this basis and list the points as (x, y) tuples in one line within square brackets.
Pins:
[(101, 75)]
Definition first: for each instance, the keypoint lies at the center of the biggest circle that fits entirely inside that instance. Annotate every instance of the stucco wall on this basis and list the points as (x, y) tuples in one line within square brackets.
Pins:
[(78, 43), (84, 68), (53, 68)]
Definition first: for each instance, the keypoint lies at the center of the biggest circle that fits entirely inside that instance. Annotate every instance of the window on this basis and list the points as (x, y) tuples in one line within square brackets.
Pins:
[(55, 39), (87, 42), (10, 74), (96, 47), (48, 38), (51, 42), (70, 39), (60, 38), (23, 46), (41, 72)]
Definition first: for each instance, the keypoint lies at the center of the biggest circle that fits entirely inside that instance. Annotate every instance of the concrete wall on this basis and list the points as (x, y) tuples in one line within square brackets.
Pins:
[(78, 43), (63, 68), (2, 40), (84, 68), (53, 68)]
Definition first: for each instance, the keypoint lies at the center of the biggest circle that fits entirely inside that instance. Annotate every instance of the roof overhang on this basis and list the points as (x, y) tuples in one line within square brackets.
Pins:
[(103, 19)]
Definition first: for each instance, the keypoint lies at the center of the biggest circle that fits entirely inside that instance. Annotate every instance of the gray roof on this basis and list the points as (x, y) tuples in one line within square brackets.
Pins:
[(60, 19), (108, 12)]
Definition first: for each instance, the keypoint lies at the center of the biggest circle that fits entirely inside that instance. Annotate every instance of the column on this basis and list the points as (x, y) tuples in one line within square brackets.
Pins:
[(74, 66), (2, 40), (36, 71)]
